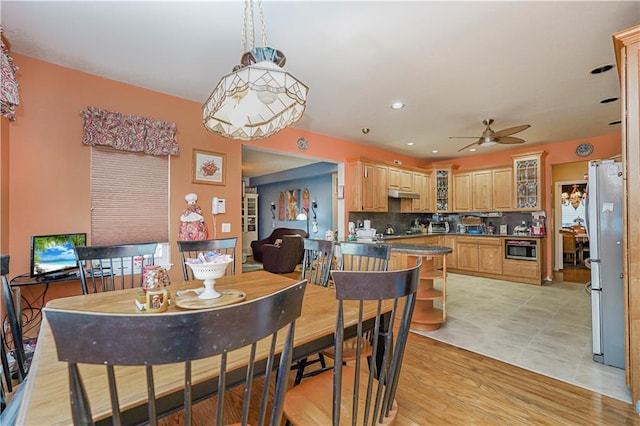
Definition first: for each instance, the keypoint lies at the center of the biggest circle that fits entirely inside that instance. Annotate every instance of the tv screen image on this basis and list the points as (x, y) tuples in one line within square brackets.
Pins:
[(53, 254)]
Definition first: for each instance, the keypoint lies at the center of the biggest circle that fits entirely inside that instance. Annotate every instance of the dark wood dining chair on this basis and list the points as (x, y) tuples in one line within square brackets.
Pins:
[(360, 257), (328, 398), (15, 323), (108, 268), (316, 266), (191, 249), (356, 256), (151, 340)]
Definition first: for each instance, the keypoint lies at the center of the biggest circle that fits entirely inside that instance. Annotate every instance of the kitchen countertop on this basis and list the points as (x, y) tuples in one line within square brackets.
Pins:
[(404, 236), (420, 249)]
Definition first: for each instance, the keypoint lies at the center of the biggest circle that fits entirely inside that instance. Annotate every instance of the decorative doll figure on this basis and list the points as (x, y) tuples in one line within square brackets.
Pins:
[(192, 225)]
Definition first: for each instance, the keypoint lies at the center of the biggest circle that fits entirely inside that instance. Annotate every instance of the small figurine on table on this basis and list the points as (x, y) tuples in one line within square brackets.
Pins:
[(192, 225)]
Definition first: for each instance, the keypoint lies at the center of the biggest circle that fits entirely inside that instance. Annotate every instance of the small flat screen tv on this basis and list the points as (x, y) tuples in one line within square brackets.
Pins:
[(52, 255)]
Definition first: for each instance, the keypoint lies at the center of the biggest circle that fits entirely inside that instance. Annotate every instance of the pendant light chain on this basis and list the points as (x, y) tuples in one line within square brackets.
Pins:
[(262, 25)]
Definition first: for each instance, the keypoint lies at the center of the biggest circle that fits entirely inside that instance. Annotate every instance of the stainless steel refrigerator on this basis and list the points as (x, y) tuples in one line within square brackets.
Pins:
[(604, 227)]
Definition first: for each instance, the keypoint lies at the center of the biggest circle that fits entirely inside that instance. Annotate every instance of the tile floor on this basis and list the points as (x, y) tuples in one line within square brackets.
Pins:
[(546, 329)]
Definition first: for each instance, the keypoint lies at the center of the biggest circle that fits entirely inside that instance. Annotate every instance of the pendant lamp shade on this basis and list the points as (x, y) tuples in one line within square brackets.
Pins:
[(257, 99)]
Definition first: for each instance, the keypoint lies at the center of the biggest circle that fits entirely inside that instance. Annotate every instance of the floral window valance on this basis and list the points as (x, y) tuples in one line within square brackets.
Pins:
[(129, 132), (9, 99)]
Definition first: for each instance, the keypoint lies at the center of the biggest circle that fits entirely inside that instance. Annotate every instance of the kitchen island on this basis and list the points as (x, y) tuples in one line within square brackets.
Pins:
[(426, 316)]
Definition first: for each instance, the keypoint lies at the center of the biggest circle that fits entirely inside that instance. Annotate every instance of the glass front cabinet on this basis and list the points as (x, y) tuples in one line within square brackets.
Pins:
[(442, 178), (528, 181)]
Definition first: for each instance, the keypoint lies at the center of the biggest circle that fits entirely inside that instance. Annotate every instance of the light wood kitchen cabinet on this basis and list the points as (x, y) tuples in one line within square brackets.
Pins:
[(527, 181), (400, 179), (490, 255), (368, 187), (482, 193), (502, 182), (421, 185), (483, 256), (452, 258), (483, 190), (462, 192), (467, 248)]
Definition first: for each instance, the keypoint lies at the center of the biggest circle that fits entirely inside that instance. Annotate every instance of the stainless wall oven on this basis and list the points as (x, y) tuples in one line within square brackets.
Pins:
[(521, 249)]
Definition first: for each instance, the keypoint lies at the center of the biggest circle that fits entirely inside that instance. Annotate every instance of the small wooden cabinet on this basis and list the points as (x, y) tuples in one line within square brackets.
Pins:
[(368, 186), (527, 181)]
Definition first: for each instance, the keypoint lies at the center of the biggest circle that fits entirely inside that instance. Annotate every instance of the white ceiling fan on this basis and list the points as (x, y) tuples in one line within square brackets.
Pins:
[(490, 137)]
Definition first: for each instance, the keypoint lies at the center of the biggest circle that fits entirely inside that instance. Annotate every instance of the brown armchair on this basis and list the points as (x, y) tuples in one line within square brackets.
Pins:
[(283, 258), (257, 247)]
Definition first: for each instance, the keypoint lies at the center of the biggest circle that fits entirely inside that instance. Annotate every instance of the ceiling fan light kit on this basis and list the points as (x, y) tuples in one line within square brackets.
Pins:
[(490, 137), (259, 98)]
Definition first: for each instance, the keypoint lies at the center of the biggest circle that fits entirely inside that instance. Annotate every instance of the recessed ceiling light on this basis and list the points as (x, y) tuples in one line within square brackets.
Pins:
[(613, 123), (434, 151), (397, 105), (472, 150), (601, 69), (366, 130), (606, 101), (411, 143)]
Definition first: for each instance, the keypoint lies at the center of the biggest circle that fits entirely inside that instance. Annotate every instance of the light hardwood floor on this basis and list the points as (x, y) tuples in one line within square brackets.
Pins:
[(445, 385)]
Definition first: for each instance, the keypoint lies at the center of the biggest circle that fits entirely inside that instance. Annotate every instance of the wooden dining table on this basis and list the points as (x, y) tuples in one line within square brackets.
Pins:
[(46, 397)]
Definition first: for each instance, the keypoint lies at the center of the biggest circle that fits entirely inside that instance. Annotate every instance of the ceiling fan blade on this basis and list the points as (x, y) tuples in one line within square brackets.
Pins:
[(469, 146), (463, 137), (511, 130), (510, 139)]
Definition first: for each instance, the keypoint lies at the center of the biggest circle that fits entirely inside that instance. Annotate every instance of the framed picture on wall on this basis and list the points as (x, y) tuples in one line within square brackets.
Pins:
[(293, 203), (208, 167)]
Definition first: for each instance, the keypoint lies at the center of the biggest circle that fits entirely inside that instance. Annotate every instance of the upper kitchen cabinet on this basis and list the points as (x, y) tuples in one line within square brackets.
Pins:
[(462, 195), (400, 179), (482, 194), (368, 186), (421, 185), (502, 180), (443, 188), (527, 181)]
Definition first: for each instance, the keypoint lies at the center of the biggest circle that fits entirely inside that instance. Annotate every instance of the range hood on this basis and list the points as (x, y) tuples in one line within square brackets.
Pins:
[(395, 193)]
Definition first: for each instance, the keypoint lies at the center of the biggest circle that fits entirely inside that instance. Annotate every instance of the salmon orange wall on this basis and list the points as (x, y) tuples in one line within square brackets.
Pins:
[(48, 182)]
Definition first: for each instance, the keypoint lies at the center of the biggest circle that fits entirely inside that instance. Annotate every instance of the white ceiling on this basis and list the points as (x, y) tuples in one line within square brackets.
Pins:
[(452, 63)]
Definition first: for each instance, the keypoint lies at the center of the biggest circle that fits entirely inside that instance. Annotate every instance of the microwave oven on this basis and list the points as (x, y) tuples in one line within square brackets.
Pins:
[(521, 249), (438, 227)]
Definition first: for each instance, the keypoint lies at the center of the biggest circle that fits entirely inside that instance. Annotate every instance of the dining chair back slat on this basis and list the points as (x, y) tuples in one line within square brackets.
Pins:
[(362, 392), (191, 249), (317, 261), (107, 339), (356, 256), (116, 267)]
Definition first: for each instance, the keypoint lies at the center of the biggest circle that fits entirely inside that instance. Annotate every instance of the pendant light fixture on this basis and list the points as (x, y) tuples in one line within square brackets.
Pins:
[(259, 98)]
